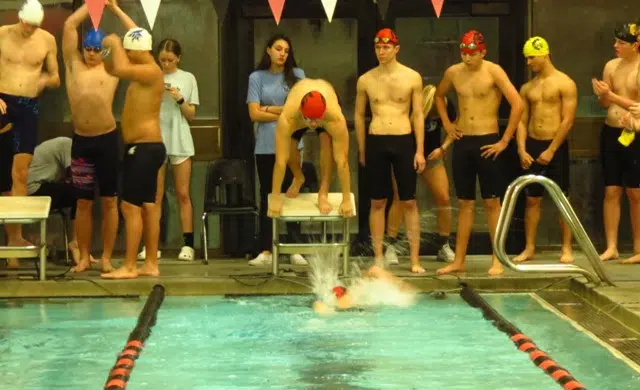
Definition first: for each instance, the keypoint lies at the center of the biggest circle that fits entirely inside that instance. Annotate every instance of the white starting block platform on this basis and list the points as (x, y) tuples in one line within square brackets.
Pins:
[(304, 208), (26, 210)]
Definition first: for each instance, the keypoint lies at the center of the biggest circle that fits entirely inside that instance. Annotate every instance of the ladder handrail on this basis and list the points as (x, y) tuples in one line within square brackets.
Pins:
[(570, 217)]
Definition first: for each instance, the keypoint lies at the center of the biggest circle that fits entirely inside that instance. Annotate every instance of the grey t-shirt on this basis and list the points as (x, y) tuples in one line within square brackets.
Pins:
[(176, 132), (50, 162)]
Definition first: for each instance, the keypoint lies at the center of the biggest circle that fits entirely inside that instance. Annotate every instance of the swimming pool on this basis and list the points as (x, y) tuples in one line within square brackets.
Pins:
[(277, 342)]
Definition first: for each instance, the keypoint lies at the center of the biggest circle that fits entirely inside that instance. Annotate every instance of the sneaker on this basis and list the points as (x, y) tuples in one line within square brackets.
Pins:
[(143, 254), (298, 259), (186, 253), (446, 254), (390, 255), (261, 259)]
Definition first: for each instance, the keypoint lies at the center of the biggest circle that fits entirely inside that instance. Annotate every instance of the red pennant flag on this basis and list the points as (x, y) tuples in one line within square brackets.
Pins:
[(276, 9), (96, 8), (437, 6)]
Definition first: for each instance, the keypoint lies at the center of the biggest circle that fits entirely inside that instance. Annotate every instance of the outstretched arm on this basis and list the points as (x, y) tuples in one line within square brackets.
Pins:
[(340, 137), (127, 22), (117, 63), (70, 36)]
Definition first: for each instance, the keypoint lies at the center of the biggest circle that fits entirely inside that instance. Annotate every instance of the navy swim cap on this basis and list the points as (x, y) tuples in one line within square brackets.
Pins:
[(93, 38)]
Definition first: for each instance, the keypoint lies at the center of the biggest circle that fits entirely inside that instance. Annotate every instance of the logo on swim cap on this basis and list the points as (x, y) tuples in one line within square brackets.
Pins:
[(535, 46), (386, 35), (313, 105), (139, 39), (628, 32), (472, 42), (31, 12), (93, 39)]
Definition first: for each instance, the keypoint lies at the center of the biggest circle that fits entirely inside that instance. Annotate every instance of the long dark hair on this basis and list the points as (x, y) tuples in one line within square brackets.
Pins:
[(289, 64), (170, 45)]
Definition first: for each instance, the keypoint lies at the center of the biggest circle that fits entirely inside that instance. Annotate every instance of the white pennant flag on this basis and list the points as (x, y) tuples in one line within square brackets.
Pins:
[(329, 8), (150, 8)]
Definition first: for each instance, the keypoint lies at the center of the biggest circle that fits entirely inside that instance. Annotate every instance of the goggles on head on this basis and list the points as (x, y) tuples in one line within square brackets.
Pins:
[(383, 40), (470, 46)]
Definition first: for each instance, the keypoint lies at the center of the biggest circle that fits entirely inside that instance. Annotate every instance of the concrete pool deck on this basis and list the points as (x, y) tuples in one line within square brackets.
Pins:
[(228, 276)]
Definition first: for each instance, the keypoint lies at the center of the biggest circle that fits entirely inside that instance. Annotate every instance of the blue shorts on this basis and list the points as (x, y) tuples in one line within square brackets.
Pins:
[(23, 113)]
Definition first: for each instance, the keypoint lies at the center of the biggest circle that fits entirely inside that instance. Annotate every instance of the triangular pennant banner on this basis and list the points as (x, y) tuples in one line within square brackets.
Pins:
[(150, 8), (221, 7), (276, 9), (437, 6), (96, 8), (329, 8), (383, 6)]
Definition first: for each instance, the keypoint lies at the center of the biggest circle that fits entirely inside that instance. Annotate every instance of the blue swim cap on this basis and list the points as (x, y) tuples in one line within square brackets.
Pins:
[(93, 38)]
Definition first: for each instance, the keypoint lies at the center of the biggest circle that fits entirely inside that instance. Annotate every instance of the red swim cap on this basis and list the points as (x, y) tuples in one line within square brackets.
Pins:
[(313, 105), (386, 35), (472, 42), (339, 291)]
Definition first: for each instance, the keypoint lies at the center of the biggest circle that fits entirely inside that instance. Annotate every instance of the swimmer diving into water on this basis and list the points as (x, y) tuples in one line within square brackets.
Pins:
[(378, 287)]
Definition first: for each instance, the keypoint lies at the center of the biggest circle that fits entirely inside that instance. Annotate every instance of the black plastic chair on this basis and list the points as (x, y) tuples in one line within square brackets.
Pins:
[(228, 191)]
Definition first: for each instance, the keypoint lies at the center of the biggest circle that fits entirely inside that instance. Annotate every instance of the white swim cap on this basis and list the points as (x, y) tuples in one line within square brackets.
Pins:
[(31, 12), (137, 39)]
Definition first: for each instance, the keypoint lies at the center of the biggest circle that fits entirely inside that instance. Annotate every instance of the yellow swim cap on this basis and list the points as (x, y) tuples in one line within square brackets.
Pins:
[(535, 46)]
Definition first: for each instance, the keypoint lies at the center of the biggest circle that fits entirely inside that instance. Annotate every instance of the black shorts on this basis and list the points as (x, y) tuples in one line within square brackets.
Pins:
[(23, 113), (384, 152), (432, 140), (141, 164), (620, 164), (94, 162), (6, 161), (297, 135), (469, 164), (557, 170)]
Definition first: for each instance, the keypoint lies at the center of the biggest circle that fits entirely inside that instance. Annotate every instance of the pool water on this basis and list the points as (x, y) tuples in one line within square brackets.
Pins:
[(279, 343)]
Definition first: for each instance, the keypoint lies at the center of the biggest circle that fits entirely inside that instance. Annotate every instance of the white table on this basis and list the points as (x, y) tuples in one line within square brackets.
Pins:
[(304, 208), (26, 210)]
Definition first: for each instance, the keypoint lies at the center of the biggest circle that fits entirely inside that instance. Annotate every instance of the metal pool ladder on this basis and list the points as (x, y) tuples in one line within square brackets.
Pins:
[(569, 216)]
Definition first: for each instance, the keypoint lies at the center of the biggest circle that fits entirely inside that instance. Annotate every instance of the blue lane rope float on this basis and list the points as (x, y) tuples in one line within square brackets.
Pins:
[(121, 371), (522, 342)]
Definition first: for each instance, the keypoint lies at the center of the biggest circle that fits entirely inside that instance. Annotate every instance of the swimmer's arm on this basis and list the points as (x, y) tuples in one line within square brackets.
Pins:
[(70, 52), (521, 133), (127, 22), (618, 100), (51, 78), (417, 114), (360, 111), (340, 137), (441, 92), (121, 67), (448, 141), (283, 146), (513, 97), (188, 110), (569, 93), (258, 114), (607, 74)]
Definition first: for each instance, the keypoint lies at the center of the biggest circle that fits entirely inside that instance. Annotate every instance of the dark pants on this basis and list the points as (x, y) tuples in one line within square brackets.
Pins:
[(265, 164)]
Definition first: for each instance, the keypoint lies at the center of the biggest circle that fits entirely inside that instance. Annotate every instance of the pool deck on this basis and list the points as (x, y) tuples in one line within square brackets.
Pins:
[(226, 276)]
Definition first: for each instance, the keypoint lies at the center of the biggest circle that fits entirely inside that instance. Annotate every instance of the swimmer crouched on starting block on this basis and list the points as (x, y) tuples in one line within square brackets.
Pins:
[(377, 288), (312, 104)]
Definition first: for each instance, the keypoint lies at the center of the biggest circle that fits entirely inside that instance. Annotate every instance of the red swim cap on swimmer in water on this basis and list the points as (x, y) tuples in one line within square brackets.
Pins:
[(386, 35), (472, 42), (313, 105), (339, 291)]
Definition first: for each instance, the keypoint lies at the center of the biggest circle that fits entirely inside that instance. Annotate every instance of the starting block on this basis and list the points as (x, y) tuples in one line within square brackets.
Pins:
[(304, 208), (26, 210)]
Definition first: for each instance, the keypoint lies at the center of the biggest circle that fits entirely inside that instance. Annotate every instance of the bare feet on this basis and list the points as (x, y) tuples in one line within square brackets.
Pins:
[(121, 273), (609, 254), (451, 268), (632, 260), (294, 188), (526, 255), (147, 270), (81, 266), (567, 257), (75, 251), (106, 265), (15, 263), (416, 268), (496, 269), (323, 204)]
